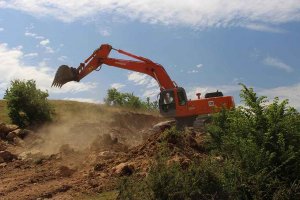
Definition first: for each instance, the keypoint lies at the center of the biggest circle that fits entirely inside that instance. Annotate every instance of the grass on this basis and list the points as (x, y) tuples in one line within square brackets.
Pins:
[(4, 112), (78, 110)]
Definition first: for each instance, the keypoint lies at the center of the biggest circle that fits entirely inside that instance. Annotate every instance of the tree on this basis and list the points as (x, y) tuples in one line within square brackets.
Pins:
[(26, 104), (116, 98)]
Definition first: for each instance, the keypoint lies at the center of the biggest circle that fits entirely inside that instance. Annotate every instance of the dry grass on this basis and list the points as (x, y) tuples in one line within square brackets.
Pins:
[(71, 109), (4, 112)]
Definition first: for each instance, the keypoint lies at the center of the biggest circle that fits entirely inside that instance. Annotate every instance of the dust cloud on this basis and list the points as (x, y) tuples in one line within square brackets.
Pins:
[(82, 130)]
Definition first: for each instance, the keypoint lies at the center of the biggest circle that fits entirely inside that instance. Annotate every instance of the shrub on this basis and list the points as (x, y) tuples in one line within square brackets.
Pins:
[(258, 157), (261, 142), (173, 135), (170, 181), (26, 104)]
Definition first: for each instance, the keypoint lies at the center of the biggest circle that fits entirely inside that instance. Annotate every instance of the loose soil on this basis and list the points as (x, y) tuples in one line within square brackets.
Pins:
[(79, 159)]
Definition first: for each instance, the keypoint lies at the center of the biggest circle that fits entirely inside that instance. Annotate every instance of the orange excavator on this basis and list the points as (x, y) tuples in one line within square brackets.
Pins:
[(173, 101)]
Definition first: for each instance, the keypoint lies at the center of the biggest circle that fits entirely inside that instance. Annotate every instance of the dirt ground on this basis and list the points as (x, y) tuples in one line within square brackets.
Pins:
[(80, 159)]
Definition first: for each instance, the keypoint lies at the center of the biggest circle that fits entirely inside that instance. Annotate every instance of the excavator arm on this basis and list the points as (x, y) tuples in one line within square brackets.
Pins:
[(100, 56)]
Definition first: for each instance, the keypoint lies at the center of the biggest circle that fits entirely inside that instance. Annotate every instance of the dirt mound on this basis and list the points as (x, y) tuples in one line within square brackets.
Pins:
[(67, 161)]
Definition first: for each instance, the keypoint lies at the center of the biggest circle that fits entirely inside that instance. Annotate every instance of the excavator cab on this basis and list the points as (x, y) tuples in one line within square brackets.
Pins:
[(167, 103)]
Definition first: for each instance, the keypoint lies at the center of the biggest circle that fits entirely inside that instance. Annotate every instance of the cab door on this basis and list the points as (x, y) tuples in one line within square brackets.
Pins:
[(167, 103)]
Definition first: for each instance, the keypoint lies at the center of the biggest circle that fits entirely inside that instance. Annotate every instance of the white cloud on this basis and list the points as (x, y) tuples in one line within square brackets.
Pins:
[(1, 29), (263, 28), (117, 85), (29, 34), (31, 55), (193, 13), (275, 62), (44, 42), (192, 71), (12, 67), (87, 100), (33, 35), (138, 78), (105, 33), (199, 65), (49, 49), (291, 92), (150, 85), (62, 58)]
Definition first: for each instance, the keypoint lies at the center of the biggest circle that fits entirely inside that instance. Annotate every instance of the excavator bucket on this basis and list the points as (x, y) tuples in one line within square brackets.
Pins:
[(63, 75)]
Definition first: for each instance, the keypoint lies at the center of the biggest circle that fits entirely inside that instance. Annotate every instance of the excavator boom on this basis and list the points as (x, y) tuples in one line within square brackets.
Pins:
[(100, 56)]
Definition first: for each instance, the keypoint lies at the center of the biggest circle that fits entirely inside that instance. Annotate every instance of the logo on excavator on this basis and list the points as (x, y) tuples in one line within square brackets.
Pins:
[(211, 103)]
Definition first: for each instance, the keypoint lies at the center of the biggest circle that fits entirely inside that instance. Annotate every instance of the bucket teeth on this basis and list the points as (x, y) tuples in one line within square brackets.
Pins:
[(63, 75)]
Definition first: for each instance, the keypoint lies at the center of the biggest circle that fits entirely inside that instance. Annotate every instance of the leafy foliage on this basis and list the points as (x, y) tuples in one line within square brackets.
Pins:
[(170, 181), (258, 153), (27, 105), (116, 98), (261, 144)]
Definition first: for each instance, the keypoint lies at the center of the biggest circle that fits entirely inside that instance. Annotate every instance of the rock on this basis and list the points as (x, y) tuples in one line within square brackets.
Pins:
[(7, 156), (64, 171), (123, 169), (18, 141), (63, 188), (11, 135), (6, 128), (103, 175), (99, 167), (18, 133), (29, 154), (3, 165), (38, 161), (3, 145), (106, 155), (219, 158), (2, 135), (22, 133), (162, 126)]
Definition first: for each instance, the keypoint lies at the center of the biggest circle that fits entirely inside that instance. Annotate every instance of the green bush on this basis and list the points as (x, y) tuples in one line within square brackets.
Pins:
[(26, 104), (172, 135), (171, 182), (261, 143), (254, 154), (168, 180)]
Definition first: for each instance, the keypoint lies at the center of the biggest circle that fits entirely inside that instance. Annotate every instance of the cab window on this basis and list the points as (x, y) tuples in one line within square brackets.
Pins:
[(181, 98)]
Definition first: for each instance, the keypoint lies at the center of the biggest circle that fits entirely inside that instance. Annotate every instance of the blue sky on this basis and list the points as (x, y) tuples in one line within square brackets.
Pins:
[(204, 45)]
